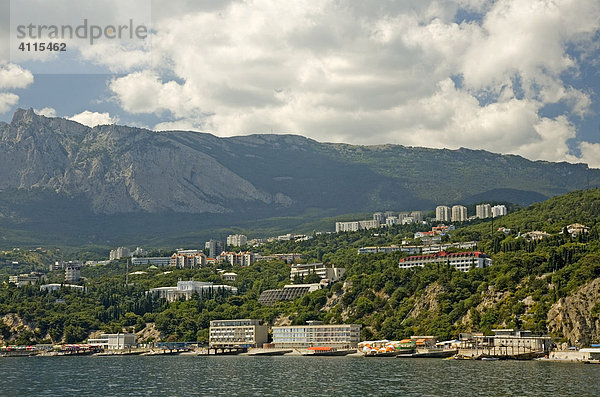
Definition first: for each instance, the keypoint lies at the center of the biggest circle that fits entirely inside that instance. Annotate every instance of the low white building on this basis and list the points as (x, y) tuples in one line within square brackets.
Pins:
[(56, 287), (462, 261), (186, 289), (306, 269), (118, 341)]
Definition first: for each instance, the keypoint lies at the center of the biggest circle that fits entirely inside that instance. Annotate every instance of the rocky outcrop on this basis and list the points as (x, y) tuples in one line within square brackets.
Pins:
[(573, 317)]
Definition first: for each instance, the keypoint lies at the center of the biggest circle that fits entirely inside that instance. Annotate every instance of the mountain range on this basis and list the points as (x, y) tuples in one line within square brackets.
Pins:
[(62, 182)]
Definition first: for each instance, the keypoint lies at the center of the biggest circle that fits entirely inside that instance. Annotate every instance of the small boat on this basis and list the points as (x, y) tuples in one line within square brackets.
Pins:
[(268, 352), (489, 359)]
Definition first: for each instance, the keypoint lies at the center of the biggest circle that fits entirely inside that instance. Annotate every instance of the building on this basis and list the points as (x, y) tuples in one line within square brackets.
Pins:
[(288, 292), (186, 290), (459, 213), (56, 287), (237, 258), (462, 261), (576, 229), (118, 341), (443, 213), (153, 260), (498, 210), (121, 252), (535, 235), (327, 273), (378, 216), (236, 240), (244, 333), (214, 247), (355, 226), (230, 276), (391, 221), (188, 259), (317, 334), (483, 211), (287, 258), (26, 278), (433, 248), (417, 216), (139, 251), (513, 342), (72, 273)]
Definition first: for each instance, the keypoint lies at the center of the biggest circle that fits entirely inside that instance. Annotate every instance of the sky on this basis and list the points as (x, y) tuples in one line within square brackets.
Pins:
[(508, 76)]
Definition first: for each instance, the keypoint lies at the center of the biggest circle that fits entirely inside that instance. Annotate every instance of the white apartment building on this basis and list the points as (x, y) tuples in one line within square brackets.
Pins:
[(153, 260), (459, 213), (483, 211), (317, 334), (72, 273), (462, 261), (443, 213), (121, 252), (114, 341), (356, 226), (188, 259), (417, 216), (237, 240), (237, 258), (244, 332), (326, 273), (499, 210)]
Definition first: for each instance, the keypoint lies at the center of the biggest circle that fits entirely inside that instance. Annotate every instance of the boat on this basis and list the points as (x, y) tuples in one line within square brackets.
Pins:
[(268, 352), (489, 358), (430, 353), (322, 351)]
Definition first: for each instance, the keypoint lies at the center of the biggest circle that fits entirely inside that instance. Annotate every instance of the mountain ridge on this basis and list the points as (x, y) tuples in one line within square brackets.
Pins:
[(112, 170)]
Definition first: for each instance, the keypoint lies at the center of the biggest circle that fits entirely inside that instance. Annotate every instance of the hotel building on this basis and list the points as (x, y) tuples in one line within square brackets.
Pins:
[(317, 334), (462, 261), (245, 333)]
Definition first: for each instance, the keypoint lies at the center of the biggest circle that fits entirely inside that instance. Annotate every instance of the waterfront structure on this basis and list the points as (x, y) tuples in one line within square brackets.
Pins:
[(188, 259), (459, 213), (72, 273), (153, 260), (118, 341), (288, 292), (443, 213), (56, 287), (462, 261), (317, 334), (236, 240), (355, 226), (244, 333), (186, 289), (121, 252), (327, 273), (508, 343), (483, 211), (498, 210), (25, 278)]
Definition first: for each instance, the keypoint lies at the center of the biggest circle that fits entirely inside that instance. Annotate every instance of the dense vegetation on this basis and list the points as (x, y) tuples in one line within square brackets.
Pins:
[(527, 278)]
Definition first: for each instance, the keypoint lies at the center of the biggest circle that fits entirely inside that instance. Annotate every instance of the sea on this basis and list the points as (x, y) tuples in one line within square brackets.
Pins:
[(291, 376)]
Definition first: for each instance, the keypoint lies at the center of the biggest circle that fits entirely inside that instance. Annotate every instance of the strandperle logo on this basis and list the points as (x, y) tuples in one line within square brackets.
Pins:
[(93, 33)]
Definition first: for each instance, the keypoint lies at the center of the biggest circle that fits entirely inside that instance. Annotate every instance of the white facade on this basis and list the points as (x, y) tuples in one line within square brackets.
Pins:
[(443, 213), (155, 260), (462, 261), (327, 273), (188, 259), (121, 252), (72, 273), (244, 332), (237, 240), (356, 226), (304, 336), (186, 289), (499, 210), (459, 213), (483, 211), (417, 216), (114, 341)]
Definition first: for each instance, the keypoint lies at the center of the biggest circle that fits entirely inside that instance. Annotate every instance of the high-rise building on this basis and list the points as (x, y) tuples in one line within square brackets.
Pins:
[(483, 211), (459, 213), (443, 213), (121, 252), (237, 240), (417, 216), (214, 247), (72, 273), (378, 216), (498, 210)]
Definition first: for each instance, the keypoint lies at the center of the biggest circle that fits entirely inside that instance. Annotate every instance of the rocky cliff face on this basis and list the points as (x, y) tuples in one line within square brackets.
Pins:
[(574, 317)]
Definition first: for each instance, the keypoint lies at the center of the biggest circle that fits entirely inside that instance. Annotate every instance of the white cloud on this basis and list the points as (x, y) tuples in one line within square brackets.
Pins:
[(92, 119), (13, 76), (47, 111), (590, 154), (7, 101), (372, 73)]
